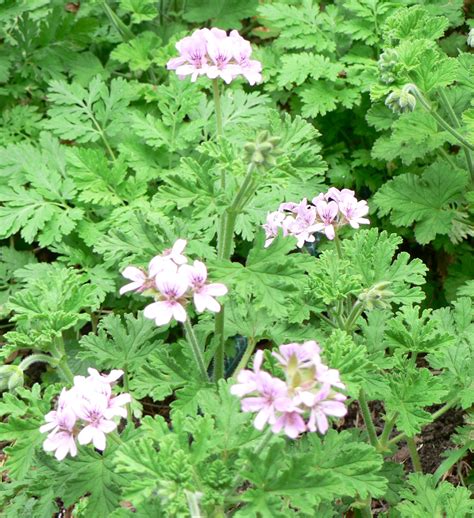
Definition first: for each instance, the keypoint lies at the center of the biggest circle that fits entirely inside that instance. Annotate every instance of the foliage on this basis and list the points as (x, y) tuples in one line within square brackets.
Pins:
[(107, 158)]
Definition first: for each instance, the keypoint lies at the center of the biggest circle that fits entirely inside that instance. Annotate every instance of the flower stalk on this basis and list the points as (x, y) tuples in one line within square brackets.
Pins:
[(197, 353), (369, 424), (427, 106), (415, 457)]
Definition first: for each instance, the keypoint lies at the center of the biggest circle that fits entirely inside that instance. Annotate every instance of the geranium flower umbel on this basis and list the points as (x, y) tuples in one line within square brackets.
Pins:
[(84, 413), (213, 53), (302, 402), (173, 283), (327, 213)]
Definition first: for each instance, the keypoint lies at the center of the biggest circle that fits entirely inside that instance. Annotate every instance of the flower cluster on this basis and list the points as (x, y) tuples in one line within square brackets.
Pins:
[(213, 53), (302, 402), (85, 412), (173, 282), (327, 212)]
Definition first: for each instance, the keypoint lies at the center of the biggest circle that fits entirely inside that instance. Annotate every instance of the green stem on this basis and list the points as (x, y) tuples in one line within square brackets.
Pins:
[(126, 386), (455, 122), (366, 511), (65, 371), (116, 438), (59, 354), (435, 416), (387, 430), (415, 458), (369, 424), (355, 313), (233, 211), (327, 320), (219, 125), (419, 96), (246, 356), (220, 350), (36, 358), (263, 442), (337, 242), (121, 28), (196, 350)]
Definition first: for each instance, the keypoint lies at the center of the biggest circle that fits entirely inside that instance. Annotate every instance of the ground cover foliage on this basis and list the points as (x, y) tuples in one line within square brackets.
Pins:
[(109, 159)]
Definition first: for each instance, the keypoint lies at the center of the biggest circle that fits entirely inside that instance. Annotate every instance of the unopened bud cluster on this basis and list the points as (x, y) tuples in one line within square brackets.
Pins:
[(302, 402), (401, 101), (264, 150), (470, 38), (387, 63), (11, 377), (376, 296)]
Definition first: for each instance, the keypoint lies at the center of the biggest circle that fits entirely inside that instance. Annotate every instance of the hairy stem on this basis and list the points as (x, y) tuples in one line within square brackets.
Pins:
[(355, 313), (36, 358), (224, 251), (246, 356), (196, 350), (369, 424), (387, 430), (219, 125), (126, 386), (415, 458), (455, 122), (337, 242), (220, 350), (420, 97)]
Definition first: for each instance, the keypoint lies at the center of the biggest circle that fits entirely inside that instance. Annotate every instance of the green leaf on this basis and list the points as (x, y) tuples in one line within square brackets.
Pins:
[(414, 135), (424, 498), (92, 474), (139, 52), (424, 200), (410, 392), (121, 342), (372, 256), (86, 114), (411, 332), (226, 14)]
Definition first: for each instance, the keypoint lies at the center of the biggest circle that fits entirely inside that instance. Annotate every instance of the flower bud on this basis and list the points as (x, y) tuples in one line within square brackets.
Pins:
[(470, 38), (11, 377), (264, 150), (401, 101), (376, 295)]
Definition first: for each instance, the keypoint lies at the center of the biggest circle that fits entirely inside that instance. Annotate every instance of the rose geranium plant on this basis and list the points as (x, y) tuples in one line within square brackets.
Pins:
[(224, 293)]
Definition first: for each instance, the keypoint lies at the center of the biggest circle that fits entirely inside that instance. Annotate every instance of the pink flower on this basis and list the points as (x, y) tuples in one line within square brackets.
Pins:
[(138, 278), (93, 413), (203, 294), (220, 51), (324, 404), (247, 380), (354, 212), (212, 52), (272, 397), (175, 253), (172, 289), (307, 392), (337, 195), (298, 356), (327, 212), (62, 419), (62, 443), (291, 423), (193, 56), (250, 68), (304, 226), (274, 222), (161, 265), (88, 404)]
